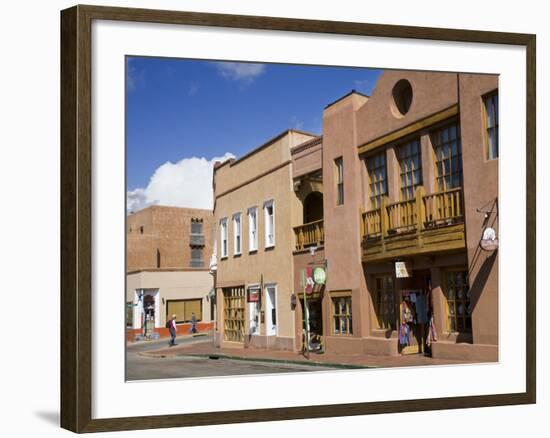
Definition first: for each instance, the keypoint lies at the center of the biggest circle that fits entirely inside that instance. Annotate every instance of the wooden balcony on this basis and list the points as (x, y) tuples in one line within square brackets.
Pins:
[(423, 225), (310, 234)]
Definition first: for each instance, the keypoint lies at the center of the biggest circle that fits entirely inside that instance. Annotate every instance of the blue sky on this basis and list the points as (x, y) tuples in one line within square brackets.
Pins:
[(178, 109)]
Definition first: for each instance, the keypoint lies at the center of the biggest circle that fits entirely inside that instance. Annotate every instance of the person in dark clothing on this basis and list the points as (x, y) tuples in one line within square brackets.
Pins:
[(172, 329), (193, 323)]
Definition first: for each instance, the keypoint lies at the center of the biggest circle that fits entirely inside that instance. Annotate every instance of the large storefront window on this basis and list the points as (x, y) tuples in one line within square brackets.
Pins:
[(184, 309), (384, 302), (341, 315), (233, 313), (459, 306)]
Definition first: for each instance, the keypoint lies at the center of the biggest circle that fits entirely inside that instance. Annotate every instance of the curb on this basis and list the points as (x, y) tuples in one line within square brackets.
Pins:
[(216, 356)]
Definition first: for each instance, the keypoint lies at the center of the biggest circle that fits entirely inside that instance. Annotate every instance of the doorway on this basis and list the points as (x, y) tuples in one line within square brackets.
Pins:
[(271, 310), (413, 313), (315, 316)]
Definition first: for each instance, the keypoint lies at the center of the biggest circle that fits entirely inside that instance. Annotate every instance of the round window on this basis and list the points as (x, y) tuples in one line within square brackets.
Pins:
[(402, 98)]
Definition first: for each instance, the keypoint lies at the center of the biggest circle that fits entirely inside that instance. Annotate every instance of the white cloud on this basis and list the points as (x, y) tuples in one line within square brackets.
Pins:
[(187, 183), (240, 71)]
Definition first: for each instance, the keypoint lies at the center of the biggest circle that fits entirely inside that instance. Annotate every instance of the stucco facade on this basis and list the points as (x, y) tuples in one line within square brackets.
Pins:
[(392, 201), (257, 271)]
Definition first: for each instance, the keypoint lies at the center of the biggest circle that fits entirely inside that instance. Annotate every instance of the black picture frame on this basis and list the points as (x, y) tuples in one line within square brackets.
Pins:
[(76, 217)]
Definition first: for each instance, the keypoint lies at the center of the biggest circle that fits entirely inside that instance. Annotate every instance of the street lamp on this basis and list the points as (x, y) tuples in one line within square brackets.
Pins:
[(312, 250)]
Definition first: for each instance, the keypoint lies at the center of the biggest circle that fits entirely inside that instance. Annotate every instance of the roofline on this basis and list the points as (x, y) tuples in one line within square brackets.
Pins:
[(150, 207), (265, 145), (306, 145), (353, 91)]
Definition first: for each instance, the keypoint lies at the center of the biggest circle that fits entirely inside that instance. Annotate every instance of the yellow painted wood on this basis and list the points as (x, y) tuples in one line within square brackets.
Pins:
[(409, 129)]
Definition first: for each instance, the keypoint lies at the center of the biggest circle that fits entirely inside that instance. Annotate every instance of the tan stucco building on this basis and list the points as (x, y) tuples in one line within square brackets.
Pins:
[(168, 253), (254, 210)]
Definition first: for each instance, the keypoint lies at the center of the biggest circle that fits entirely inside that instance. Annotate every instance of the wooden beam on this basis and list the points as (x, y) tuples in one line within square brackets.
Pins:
[(409, 129)]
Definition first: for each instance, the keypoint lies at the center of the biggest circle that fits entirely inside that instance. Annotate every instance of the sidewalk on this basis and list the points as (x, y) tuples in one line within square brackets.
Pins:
[(164, 341), (207, 349)]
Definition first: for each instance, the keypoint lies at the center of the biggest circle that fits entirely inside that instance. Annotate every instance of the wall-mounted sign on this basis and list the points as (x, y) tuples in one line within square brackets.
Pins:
[(403, 269), (253, 295), (489, 241), (319, 276)]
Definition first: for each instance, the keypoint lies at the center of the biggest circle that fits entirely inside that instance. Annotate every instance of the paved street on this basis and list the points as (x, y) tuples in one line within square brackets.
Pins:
[(140, 367)]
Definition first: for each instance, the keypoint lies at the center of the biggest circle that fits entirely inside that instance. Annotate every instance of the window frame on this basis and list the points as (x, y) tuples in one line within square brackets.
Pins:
[(185, 301), (375, 200), (252, 240), (490, 96), (338, 295), (381, 323), (267, 204), (466, 300), (404, 158), (224, 240), (197, 248), (436, 134), (237, 248), (339, 180)]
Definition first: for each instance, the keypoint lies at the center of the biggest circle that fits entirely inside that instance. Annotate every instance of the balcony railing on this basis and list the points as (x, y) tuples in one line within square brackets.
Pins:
[(196, 239), (413, 223), (310, 234)]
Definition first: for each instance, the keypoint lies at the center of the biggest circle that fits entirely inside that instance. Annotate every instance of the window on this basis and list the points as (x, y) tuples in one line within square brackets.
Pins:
[(184, 309), (491, 125), (376, 167), (237, 234), (341, 315), (269, 211), (339, 167), (196, 226), (129, 314), (252, 228), (384, 302), (196, 258), (402, 98), (410, 166), (448, 157), (223, 237), (459, 307)]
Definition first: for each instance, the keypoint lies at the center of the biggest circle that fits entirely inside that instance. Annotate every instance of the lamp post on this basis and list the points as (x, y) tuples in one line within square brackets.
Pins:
[(306, 307)]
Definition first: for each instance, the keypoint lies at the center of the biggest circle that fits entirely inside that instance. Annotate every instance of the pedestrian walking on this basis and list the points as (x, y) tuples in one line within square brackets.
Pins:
[(172, 329), (193, 323)]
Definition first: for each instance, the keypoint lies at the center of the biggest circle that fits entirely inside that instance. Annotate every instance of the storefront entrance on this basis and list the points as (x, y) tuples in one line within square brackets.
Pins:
[(315, 324), (413, 312)]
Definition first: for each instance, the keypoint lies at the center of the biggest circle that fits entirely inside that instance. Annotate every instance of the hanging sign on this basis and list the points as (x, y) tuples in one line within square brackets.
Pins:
[(489, 241), (309, 283), (403, 269), (319, 276)]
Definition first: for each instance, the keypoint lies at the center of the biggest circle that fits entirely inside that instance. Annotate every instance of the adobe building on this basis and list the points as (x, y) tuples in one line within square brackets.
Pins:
[(410, 188), (168, 250), (396, 202), (254, 212)]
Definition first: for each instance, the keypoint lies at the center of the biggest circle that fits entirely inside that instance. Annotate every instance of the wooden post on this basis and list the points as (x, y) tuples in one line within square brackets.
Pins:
[(383, 217), (420, 213)]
